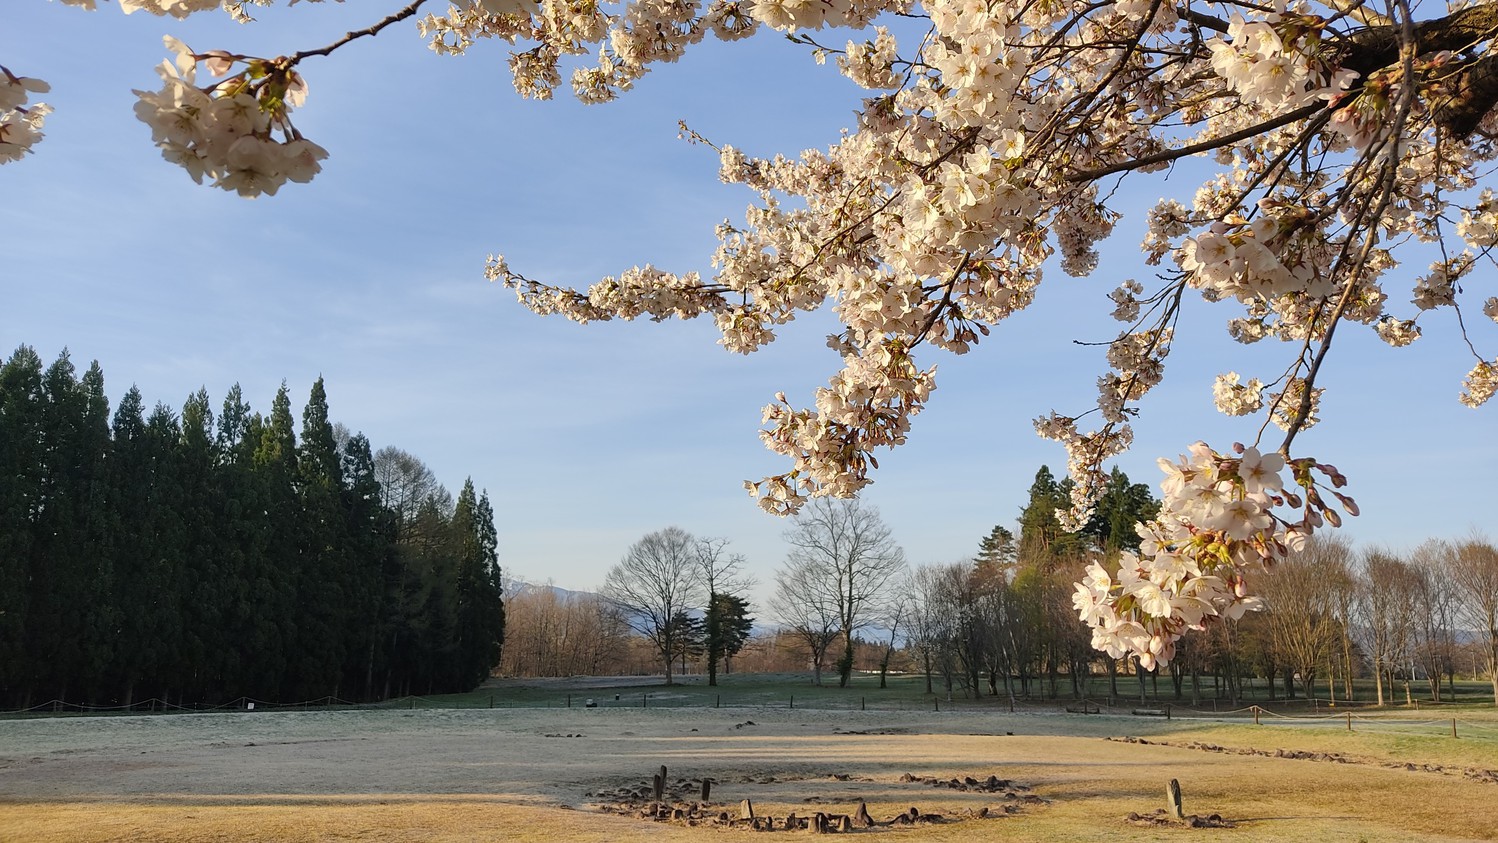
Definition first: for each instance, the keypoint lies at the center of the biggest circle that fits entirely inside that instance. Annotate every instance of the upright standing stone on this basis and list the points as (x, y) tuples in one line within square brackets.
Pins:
[(1173, 799)]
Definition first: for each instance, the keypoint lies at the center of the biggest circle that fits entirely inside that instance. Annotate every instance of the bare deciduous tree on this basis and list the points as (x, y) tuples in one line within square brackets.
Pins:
[(1474, 570), (1435, 644), (653, 584), (847, 553), (406, 484), (1389, 616), (932, 620), (1300, 595), (808, 611)]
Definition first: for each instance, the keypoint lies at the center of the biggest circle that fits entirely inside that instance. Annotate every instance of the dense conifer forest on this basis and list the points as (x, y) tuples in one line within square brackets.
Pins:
[(199, 557)]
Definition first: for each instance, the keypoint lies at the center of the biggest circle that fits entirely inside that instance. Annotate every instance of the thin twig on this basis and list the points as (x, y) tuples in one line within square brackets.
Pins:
[(350, 36)]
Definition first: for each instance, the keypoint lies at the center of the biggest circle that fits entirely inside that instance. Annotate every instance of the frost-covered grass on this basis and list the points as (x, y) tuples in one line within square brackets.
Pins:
[(527, 773)]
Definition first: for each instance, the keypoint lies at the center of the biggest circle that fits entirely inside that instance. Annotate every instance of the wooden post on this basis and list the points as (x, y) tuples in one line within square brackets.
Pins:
[(1173, 800), (658, 784), (1256, 715), (793, 700), (707, 789), (491, 700), (569, 700), (938, 703), (861, 706), (1349, 721), (718, 701), (643, 698), (1453, 727), (1167, 711)]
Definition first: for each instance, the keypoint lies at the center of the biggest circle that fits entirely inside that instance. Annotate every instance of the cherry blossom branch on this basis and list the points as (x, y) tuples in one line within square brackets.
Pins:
[(946, 302), (1360, 223), (1207, 145)]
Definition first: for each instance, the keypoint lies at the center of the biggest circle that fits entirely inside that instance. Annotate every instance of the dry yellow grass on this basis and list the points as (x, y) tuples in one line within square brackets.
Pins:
[(513, 775)]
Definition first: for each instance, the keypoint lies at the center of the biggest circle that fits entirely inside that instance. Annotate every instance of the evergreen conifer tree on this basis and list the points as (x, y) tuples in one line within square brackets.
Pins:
[(20, 497)]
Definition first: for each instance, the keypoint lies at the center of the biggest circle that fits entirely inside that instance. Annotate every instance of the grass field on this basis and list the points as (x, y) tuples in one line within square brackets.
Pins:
[(904, 693), (531, 769)]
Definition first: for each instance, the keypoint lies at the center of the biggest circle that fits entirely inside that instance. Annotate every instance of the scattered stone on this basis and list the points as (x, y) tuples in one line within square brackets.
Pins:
[(677, 805), (1160, 817), (1475, 774), (992, 784)]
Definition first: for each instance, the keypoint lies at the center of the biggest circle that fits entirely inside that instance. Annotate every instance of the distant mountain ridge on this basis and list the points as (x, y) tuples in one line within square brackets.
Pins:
[(518, 586)]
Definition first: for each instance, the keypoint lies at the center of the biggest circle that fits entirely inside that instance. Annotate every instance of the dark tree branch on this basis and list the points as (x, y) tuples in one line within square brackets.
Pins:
[(1473, 91), (1204, 146), (350, 36), (1377, 47)]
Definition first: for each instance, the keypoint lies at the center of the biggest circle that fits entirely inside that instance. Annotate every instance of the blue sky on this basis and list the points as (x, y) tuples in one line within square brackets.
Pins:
[(588, 437)]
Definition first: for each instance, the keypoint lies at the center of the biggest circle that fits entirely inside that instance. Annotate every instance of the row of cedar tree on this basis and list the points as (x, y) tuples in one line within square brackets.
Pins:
[(198, 558)]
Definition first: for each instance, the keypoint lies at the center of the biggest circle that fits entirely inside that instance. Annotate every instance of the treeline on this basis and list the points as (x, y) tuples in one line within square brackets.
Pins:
[(1003, 622), (554, 633), (200, 557)]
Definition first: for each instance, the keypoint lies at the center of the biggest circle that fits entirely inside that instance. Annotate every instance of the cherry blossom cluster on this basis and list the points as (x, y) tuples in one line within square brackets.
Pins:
[(1237, 399), (623, 43), (181, 8), (872, 63), (1271, 63), (1480, 383), (1223, 519), (20, 122), (236, 132)]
